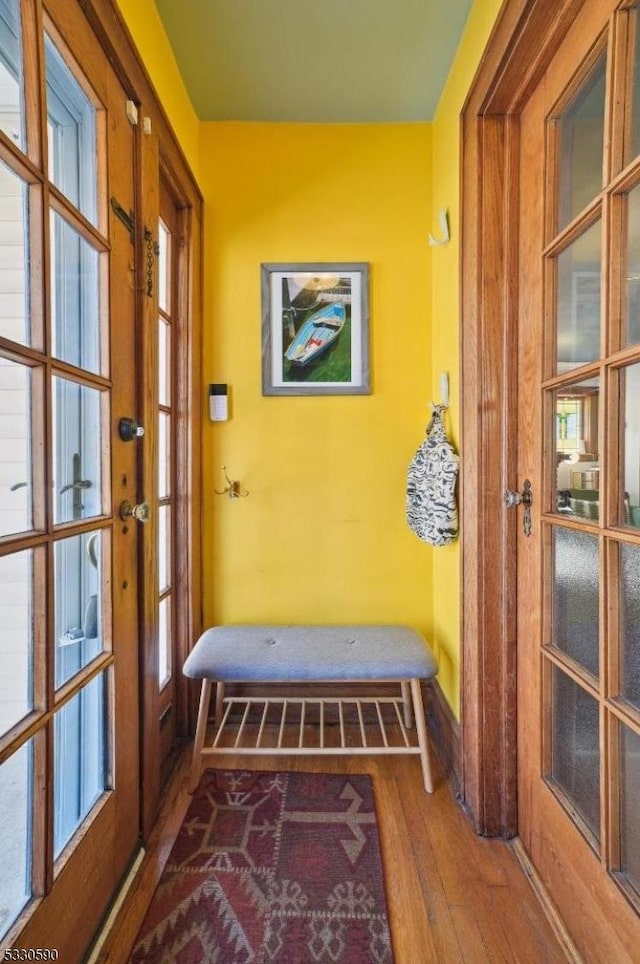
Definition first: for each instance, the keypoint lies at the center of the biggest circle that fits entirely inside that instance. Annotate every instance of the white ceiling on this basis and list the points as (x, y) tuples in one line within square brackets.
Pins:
[(334, 61)]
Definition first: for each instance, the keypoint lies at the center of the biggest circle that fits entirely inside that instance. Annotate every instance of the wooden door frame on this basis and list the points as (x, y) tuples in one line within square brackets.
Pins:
[(111, 30), (525, 37)]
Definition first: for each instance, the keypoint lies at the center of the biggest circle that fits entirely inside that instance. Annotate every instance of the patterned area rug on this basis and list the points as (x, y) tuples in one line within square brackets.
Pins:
[(272, 867)]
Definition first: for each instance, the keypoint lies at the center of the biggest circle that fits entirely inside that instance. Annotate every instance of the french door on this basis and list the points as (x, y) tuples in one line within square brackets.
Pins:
[(579, 447), (69, 701)]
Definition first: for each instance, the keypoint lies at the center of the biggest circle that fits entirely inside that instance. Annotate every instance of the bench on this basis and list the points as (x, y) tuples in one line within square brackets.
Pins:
[(312, 654)]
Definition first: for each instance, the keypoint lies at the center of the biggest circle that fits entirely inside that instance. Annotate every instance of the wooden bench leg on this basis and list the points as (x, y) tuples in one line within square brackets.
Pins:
[(201, 728), (406, 700), (421, 726), (219, 699)]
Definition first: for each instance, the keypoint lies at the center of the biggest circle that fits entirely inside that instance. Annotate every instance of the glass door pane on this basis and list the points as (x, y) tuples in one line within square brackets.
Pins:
[(630, 623), (576, 591), (632, 279), (629, 836), (80, 760), (11, 75), (16, 839), (72, 134), (14, 257), (580, 146), (78, 451), (578, 304), (576, 748), (630, 495), (575, 412), (78, 603), (16, 489), (75, 297), (16, 638)]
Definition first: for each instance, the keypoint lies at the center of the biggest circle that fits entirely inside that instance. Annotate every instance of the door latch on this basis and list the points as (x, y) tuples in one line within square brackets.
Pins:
[(513, 499)]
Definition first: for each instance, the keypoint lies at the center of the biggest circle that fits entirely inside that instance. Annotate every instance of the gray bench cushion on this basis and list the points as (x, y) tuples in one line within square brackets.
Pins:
[(274, 653)]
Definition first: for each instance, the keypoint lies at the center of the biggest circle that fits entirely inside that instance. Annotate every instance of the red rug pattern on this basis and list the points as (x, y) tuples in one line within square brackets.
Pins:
[(272, 867)]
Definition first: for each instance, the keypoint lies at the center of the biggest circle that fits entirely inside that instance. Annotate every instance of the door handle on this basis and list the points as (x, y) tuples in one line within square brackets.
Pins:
[(513, 499), (80, 484), (140, 512)]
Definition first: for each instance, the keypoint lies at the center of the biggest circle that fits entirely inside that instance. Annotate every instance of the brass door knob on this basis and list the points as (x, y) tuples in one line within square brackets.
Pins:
[(140, 512)]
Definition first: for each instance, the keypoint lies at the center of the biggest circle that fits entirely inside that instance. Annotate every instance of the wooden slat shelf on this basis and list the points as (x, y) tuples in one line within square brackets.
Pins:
[(312, 726)]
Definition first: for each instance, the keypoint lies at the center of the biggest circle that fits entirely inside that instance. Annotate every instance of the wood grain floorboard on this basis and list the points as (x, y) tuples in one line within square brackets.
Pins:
[(453, 897)]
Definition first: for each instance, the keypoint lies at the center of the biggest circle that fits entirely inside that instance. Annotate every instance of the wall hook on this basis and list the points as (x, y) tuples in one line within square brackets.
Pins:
[(232, 488), (444, 228)]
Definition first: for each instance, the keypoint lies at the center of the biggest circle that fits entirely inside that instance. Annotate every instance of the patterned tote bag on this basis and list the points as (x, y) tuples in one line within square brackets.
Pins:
[(432, 511)]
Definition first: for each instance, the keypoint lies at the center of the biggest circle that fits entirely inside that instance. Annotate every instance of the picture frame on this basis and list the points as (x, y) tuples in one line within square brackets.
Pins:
[(315, 328)]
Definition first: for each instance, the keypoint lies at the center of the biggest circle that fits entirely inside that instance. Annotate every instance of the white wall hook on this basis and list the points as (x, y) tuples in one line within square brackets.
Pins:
[(444, 228), (444, 389)]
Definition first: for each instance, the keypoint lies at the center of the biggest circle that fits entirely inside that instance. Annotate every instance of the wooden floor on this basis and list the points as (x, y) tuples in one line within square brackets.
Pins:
[(453, 897)]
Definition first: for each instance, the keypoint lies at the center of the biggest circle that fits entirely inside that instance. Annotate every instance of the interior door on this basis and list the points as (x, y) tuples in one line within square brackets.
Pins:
[(69, 704), (579, 447)]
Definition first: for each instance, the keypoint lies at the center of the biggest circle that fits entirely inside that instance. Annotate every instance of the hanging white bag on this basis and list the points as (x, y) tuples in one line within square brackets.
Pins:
[(432, 509)]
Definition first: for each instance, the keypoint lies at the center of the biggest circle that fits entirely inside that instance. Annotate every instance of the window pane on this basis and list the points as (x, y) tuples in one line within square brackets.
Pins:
[(16, 638), (78, 603), (632, 146), (164, 547), (164, 641), (575, 618), (164, 456), (578, 301), (15, 448), (630, 806), (16, 796), (164, 243), (11, 77), (575, 417), (630, 496), (576, 748), (77, 451), (80, 760), (630, 623), (580, 146), (164, 363), (75, 297), (632, 336), (14, 257), (72, 134)]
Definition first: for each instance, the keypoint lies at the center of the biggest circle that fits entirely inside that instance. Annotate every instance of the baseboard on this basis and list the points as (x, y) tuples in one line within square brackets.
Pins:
[(552, 915), (95, 952), (444, 731)]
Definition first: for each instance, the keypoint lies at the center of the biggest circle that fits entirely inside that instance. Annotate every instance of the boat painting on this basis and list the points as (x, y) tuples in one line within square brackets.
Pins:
[(316, 335)]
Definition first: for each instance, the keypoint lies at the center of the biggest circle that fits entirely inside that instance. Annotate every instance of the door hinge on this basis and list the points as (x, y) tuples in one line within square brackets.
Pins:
[(126, 218), (152, 252)]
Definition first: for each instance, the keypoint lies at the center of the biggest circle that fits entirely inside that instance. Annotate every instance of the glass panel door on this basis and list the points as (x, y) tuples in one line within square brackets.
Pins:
[(584, 650), (69, 769)]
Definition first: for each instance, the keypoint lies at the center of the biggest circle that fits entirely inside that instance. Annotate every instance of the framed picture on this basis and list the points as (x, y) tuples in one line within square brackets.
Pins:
[(315, 329)]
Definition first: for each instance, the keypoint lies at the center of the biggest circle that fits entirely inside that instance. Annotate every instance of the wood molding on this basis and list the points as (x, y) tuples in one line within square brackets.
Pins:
[(549, 908), (489, 274), (445, 733)]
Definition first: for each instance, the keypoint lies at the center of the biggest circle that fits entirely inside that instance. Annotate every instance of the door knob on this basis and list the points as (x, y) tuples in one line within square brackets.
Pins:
[(140, 512)]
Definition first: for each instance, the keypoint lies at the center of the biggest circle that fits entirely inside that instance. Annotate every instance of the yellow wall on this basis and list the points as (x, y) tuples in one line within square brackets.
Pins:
[(322, 535), (146, 28), (446, 316)]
